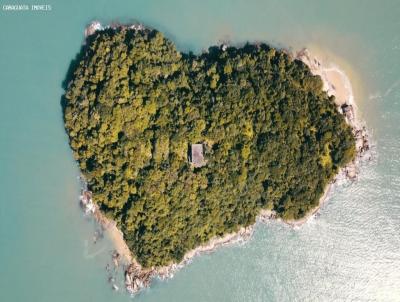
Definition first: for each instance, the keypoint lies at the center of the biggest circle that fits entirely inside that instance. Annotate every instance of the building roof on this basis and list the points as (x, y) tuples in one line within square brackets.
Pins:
[(197, 157)]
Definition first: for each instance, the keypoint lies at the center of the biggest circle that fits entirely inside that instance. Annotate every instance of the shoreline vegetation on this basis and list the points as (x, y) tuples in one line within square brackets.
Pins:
[(335, 82)]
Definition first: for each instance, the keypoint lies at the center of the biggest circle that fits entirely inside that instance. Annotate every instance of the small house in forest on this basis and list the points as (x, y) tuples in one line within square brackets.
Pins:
[(196, 156)]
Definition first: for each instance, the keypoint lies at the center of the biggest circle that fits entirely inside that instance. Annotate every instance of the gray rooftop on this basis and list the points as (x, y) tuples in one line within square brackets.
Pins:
[(197, 157)]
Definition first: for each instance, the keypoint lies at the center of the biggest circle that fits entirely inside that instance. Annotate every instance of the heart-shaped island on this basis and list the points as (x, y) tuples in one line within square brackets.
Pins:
[(179, 148)]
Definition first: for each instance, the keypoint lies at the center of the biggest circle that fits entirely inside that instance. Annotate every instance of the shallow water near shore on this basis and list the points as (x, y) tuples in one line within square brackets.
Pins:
[(350, 252)]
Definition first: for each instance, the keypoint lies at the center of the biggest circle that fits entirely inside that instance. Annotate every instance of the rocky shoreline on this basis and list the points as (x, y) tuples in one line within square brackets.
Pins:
[(137, 278), (96, 26)]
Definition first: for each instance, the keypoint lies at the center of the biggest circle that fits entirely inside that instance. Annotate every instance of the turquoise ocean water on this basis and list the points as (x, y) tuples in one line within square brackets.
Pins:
[(351, 252)]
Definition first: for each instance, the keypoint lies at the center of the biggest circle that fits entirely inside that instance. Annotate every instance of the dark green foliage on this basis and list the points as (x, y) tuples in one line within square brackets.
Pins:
[(273, 138)]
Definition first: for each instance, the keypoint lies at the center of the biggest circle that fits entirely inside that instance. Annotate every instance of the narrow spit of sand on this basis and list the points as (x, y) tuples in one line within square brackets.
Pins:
[(115, 235), (336, 81)]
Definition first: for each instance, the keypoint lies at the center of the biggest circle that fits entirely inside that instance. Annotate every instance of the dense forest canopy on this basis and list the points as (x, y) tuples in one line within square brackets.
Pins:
[(272, 138)]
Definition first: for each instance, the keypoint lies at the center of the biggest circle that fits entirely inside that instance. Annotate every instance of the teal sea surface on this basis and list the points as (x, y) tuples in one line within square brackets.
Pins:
[(350, 252)]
